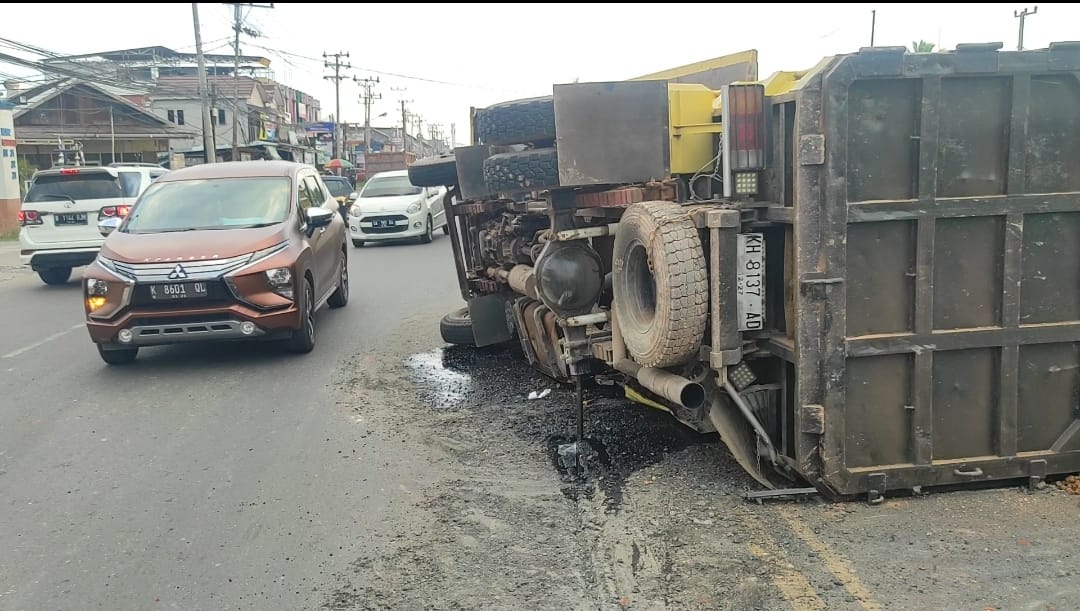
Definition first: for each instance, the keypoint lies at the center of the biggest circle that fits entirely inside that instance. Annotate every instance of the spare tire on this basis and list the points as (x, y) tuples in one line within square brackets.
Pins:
[(531, 120), (456, 328), (438, 171), (530, 170), (660, 284)]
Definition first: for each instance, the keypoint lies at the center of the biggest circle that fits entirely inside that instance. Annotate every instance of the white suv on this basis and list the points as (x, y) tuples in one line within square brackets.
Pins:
[(61, 210)]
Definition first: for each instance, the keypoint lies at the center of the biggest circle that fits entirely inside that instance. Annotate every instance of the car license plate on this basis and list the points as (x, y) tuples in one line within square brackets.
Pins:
[(380, 223), (179, 290), (751, 281), (74, 218)]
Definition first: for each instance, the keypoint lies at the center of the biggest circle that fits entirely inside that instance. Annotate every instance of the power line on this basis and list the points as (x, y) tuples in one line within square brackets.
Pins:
[(395, 74)]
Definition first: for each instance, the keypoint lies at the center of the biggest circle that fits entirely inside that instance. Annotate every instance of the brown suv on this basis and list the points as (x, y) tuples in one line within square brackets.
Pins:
[(223, 251)]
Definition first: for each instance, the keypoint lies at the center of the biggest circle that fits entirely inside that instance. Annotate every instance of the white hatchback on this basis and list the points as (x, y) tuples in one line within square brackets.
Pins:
[(389, 207), (59, 216)]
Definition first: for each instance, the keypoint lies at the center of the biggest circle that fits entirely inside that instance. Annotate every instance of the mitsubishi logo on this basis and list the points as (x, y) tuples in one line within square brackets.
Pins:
[(178, 273)]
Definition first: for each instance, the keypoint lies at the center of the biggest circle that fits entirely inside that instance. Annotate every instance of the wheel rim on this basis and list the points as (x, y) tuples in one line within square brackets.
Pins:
[(309, 313), (429, 223), (344, 277)]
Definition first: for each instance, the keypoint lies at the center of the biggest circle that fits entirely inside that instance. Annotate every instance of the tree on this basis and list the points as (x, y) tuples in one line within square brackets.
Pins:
[(26, 172), (922, 47)]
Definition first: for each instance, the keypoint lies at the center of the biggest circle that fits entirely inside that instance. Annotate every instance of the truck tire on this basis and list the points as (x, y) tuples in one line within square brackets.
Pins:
[(531, 120), (531, 170), (438, 171), (456, 328), (660, 284)]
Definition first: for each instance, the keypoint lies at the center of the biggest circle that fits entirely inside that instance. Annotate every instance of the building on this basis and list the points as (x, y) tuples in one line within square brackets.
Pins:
[(271, 115), (10, 197), (72, 121)]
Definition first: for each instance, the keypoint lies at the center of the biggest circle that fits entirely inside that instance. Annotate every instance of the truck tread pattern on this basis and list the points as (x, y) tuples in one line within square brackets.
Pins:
[(530, 170), (678, 262), (438, 171), (531, 120)]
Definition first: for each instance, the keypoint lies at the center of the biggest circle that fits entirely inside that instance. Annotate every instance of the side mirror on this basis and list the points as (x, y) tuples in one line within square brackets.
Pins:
[(353, 196), (319, 217), (108, 225)]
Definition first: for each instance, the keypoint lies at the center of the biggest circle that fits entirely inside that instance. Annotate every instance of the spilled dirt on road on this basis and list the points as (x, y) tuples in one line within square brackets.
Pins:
[(661, 522)]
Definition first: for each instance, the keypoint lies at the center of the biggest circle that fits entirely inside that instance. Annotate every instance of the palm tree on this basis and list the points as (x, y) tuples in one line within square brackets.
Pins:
[(922, 47)]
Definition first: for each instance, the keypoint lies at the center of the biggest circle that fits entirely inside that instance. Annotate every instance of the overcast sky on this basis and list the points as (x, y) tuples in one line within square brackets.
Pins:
[(485, 54)]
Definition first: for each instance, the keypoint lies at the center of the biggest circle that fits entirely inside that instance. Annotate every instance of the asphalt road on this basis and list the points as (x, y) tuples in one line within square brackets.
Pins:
[(201, 477)]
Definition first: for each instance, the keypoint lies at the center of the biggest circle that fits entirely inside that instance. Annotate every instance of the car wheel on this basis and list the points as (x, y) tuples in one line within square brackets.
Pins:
[(55, 275), (446, 229), (358, 243), (303, 339), (117, 356), (428, 232), (341, 295)]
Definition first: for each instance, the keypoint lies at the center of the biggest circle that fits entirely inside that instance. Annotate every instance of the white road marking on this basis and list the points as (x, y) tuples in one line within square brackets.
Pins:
[(41, 342)]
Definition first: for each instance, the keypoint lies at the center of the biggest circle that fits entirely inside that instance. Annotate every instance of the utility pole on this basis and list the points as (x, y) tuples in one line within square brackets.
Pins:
[(367, 98), (453, 136), (404, 120), (418, 123), (209, 147), (873, 25), (238, 27), (337, 78), (1022, 15)]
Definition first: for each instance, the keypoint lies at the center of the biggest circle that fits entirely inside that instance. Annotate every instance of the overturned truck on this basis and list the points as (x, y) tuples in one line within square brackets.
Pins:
[(865, 275)]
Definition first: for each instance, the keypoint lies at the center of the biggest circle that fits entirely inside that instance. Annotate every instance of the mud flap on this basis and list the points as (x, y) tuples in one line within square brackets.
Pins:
[(738, 436), (489, 320)]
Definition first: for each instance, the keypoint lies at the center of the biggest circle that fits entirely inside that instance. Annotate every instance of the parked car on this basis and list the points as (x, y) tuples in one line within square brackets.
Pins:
[(391, 208), (343, 191), (59, 215), (224, 251)]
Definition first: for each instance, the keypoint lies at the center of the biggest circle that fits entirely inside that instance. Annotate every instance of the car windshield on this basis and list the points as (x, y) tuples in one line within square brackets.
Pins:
[(389, 186), (222, 203), (79, 185), (338, 187)]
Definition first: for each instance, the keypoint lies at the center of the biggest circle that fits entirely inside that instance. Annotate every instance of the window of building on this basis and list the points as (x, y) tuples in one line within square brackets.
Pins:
[(221, 116), (172, 116), (179, 117)]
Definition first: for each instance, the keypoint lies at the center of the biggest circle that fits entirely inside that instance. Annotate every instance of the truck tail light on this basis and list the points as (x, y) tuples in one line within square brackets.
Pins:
[(67, 171), (743, 116), (29, 217), (117, 211)]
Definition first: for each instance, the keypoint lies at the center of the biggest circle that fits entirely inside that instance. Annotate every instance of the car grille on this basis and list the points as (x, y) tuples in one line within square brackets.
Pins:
[(394, 218), (217, 294), (197, 269)]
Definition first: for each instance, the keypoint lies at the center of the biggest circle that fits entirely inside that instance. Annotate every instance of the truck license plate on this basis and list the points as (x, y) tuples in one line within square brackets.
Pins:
[(751, 281), (179, 290)]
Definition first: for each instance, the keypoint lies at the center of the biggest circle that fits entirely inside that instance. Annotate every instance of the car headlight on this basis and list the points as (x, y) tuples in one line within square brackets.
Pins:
[(280, 281), (414, 208), (96, 290), (354, 211)]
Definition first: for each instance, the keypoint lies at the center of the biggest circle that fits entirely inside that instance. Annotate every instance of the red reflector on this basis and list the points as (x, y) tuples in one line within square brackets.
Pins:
[(108, 211), (32, 216), (69, 171)]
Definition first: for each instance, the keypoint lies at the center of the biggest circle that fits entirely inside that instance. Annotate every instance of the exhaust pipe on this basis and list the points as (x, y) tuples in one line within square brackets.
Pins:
[(670, 386)]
